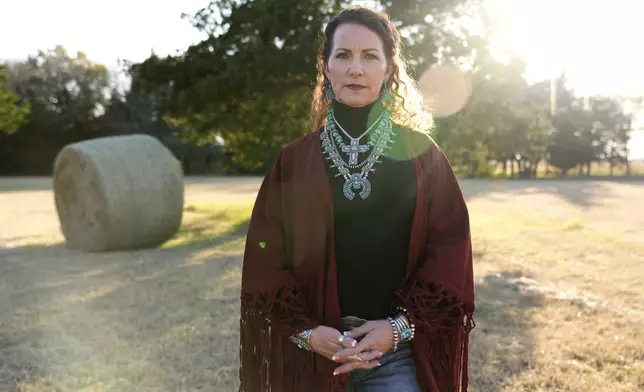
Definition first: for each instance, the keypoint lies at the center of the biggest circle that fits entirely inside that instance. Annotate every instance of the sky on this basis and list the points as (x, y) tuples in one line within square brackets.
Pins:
[(594, 42), (104, 30)]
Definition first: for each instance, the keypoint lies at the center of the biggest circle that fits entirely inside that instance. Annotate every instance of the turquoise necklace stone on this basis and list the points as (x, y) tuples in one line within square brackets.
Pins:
[(379, 141)]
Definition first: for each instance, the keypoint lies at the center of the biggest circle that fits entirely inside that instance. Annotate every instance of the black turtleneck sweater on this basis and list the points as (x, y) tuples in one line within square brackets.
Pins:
[(372, 234)]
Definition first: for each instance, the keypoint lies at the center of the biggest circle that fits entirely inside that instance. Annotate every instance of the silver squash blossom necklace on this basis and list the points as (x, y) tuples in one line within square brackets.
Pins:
[(379, 140)]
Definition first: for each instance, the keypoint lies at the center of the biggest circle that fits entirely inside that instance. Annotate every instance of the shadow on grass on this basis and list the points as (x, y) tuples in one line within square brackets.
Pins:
[(586, 194), (503, 342), (10, 184), (152, 319)]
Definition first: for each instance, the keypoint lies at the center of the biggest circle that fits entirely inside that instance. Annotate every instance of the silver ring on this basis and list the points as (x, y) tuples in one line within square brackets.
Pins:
[(340, 339)]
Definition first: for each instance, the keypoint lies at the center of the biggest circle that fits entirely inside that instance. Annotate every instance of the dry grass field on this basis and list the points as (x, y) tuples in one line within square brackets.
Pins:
[(559, 268)]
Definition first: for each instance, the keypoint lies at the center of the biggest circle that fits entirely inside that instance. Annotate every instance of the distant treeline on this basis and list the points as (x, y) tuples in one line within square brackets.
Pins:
[(247, 85)]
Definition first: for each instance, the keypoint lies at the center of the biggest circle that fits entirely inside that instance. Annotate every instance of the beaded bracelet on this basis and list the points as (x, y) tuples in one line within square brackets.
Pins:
[(409, 331), (396, 332), (401, 326), (302, 339)]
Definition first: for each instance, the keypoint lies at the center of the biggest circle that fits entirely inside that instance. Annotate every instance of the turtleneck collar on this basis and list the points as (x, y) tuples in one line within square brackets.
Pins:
[(356, 120)]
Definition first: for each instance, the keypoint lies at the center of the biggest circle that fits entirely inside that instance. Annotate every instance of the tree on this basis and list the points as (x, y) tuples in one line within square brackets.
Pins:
[(432, 31), (249, 81), (587, 130), (567, 148), (612, 127), (503, 122), (12, 113), (66, 95)]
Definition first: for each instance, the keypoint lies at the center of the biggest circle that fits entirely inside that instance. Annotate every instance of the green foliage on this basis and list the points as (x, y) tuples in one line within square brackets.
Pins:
[(509, 120), (567, 147), (248, 84), (429, 33), (612, 126), (502, 121), (588, 130), (12, 113), (66, 95), (250, 80)]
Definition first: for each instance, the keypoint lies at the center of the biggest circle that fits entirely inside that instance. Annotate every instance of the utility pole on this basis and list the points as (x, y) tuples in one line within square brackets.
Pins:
[(553, 96)]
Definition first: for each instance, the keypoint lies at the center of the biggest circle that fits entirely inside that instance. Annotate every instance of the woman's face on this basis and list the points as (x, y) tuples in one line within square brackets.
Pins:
[(357, 66)]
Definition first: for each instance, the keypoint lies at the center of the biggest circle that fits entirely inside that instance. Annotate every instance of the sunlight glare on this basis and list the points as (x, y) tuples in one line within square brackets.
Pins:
[(445, 88), (593, 42)]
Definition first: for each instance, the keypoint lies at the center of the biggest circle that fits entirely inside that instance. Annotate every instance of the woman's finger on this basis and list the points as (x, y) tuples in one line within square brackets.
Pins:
[(365, 356), (350, 366), (370, 355), (360, 331), (364, 345), (359, 357), (346, 341)]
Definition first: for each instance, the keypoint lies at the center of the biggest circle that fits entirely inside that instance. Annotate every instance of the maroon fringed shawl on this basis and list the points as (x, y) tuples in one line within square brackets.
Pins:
[(289, 274)]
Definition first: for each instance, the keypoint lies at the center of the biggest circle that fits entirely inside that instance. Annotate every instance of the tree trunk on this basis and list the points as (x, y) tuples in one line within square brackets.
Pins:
[(628, 168), (474, 168), (505, 168), (534, 169), (512, 168), (580, 170)]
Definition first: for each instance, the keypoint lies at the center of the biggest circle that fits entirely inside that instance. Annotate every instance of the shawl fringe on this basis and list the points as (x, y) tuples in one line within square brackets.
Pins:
[(441, 345), (283, 308), (269, 361)]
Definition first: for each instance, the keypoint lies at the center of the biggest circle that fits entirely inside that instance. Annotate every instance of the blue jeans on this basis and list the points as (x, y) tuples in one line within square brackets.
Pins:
[(397, 372)]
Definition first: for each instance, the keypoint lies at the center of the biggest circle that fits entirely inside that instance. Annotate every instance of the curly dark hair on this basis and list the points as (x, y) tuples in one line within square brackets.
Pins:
[(407, 105)]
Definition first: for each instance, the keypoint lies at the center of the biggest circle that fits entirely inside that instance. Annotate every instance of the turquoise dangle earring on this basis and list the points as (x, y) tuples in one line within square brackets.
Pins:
[(328, 91), (385, 95)]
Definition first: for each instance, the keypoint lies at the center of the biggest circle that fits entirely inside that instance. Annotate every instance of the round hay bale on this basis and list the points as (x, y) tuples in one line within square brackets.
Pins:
[(118, 193)]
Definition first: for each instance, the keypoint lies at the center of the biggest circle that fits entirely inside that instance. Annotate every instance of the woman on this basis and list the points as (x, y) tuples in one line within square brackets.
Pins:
[(357, 270)]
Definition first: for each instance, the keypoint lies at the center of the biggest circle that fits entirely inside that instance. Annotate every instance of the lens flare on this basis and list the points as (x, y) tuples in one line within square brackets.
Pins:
[(446, 89)]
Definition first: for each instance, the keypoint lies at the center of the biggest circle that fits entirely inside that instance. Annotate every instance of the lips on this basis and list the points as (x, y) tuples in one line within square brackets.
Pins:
[(356, 86)]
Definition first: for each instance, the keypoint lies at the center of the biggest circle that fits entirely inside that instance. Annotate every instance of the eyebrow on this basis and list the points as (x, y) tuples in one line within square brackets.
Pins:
[(364, 50)]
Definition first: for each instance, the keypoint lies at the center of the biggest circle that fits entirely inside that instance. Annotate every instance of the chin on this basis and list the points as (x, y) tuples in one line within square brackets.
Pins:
[(357, 101)]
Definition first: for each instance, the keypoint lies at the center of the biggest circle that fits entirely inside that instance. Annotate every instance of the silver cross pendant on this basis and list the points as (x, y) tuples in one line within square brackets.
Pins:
[(353, 150)]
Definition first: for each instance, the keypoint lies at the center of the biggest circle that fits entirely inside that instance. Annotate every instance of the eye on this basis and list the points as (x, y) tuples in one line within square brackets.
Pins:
[(342, 55), (371, 56)]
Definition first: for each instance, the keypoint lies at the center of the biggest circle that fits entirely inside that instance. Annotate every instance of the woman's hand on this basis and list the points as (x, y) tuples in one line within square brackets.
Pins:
[(327, 341), (378, 339)]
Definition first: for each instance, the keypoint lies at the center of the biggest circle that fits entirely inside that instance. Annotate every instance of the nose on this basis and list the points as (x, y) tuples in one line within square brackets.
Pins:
[(356, 69)]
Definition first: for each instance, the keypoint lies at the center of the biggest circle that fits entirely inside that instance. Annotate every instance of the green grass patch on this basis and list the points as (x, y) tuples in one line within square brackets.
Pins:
[(573, 224), (211, 224)]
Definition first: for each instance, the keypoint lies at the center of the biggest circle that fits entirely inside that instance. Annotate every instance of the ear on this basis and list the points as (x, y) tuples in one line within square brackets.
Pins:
[(326, 71), (389, 72)]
